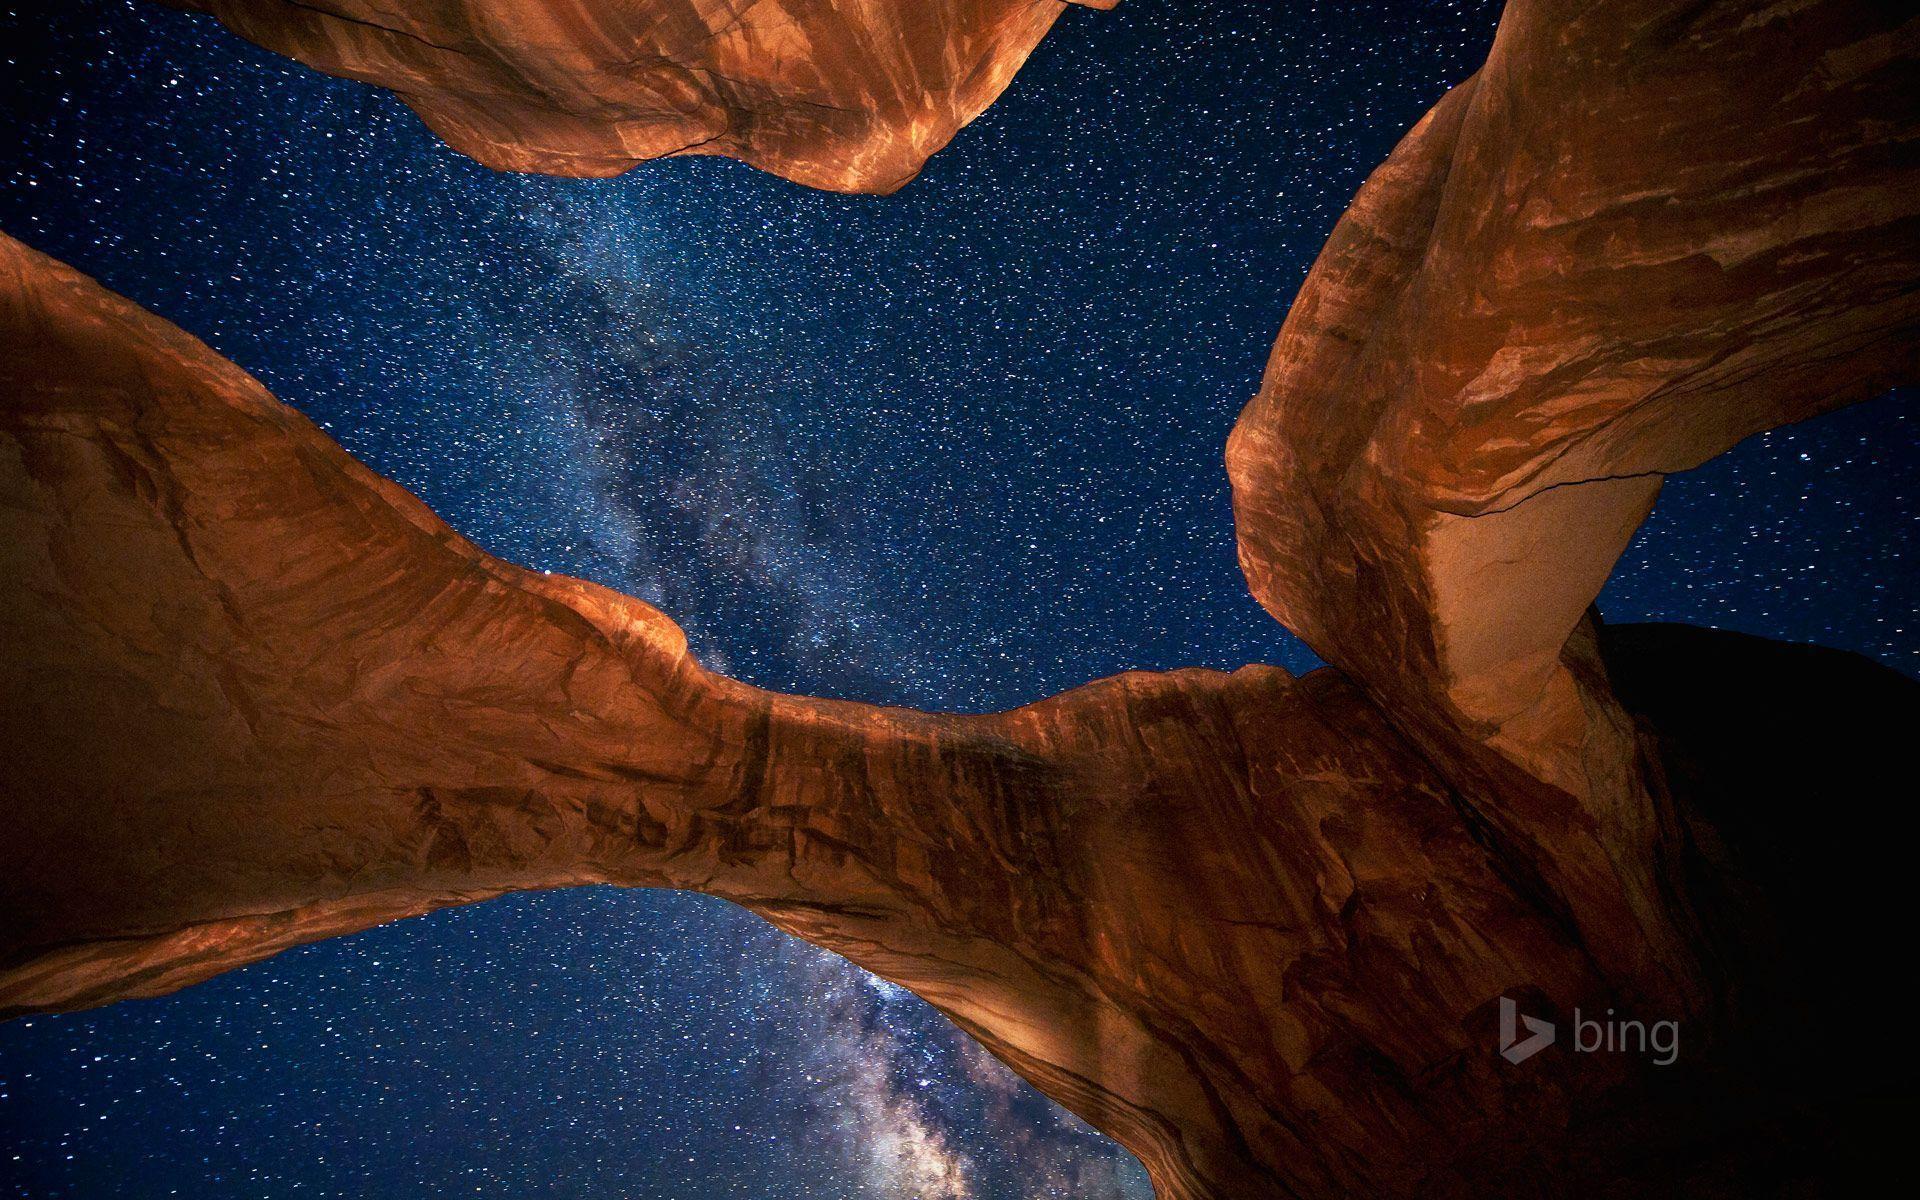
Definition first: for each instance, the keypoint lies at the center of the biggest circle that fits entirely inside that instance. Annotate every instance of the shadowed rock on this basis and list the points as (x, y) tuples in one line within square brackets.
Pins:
[(849, 95)]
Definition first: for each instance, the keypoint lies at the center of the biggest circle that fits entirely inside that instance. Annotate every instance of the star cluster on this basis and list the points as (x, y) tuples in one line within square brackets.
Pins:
[(957, 448)]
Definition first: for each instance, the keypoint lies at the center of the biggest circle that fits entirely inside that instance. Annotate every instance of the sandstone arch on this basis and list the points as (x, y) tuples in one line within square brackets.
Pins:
[(1254, 927)]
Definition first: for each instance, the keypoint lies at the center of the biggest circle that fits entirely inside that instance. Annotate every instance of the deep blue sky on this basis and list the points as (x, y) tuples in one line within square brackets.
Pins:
[(957, 448)]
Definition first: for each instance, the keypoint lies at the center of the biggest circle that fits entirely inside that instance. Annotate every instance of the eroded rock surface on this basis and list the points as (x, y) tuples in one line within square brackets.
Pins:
[(1257, 928), (847, 95), (1643, 231), (262, 696), (258, 695)]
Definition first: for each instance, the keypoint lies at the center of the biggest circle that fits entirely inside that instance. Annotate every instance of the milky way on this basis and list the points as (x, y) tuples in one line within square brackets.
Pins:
[(957, 448)]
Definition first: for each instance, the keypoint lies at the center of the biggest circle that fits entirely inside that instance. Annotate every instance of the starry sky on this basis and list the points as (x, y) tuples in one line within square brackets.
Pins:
[(958, 448)]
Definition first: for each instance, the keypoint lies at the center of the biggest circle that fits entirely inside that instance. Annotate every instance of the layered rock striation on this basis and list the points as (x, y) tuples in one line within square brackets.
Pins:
[(1643, 231), (849, 96), (262, 696), (1257, 928)]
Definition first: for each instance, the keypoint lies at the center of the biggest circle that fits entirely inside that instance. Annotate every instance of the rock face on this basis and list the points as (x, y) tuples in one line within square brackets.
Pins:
[(846, 95), (266, 697), (1259, 929), (1643, 231)]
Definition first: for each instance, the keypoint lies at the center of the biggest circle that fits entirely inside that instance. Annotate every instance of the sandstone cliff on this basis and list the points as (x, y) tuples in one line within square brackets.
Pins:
[(1643, 231), (262, 696), (1257, 928), (259, 696), (851, 96)]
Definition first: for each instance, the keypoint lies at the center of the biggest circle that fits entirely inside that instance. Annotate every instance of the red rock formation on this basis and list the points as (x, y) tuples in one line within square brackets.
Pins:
[(1645, 230), (260, 696), (264, 697), (1256, 928), (850, 96)]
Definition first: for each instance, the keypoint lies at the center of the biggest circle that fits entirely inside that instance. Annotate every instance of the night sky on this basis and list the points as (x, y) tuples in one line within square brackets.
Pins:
[(958, 448)]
